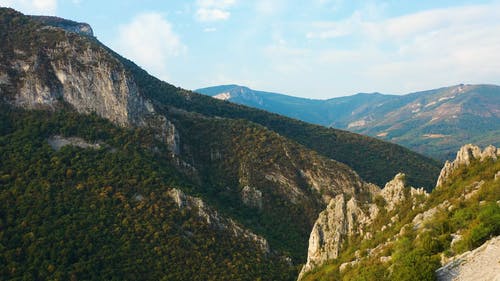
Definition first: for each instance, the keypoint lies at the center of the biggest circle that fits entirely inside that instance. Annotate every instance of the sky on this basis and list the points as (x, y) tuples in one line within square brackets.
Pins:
[(314, 49)]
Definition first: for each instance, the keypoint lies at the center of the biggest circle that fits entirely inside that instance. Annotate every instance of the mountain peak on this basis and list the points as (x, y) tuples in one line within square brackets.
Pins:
[(465, 156), (68, 25)]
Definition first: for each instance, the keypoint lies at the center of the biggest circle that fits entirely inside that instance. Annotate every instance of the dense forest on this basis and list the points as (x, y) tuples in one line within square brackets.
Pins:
[(79, 214), (374, 160)]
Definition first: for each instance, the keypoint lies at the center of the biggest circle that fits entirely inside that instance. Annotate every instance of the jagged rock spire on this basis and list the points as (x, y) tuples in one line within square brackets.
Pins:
[(465, 156)]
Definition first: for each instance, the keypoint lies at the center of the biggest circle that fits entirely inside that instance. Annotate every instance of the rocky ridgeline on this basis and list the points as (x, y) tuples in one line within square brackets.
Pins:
[(345, 217), (80, 72), (68, 25), (465, 155)]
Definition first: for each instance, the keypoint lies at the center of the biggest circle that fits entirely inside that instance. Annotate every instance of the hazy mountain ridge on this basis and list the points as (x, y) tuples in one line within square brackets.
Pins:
[(435, 122)]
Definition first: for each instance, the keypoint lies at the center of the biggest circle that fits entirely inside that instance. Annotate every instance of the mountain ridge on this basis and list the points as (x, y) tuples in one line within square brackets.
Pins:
[(139, 145), (434, 122), (414, 235)]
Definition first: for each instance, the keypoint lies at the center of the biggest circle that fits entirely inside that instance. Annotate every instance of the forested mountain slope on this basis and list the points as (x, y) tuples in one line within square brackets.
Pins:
[(152, 168)]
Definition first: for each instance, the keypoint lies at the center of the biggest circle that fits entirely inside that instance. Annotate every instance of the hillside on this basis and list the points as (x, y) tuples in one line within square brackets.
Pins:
[(49, 49), (104, 164), (374, 160), (410, 235), (435, 123), (105, 206)]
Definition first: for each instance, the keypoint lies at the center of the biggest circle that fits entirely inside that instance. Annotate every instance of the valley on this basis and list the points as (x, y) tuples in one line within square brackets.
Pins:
[(108, 172)]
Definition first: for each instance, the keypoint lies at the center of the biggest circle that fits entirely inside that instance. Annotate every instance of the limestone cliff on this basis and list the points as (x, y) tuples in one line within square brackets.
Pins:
[(63, 65), (433, 224), (465, 155), (86, 77), (396, 191), (341, 219), (346, 218), (68, 25)]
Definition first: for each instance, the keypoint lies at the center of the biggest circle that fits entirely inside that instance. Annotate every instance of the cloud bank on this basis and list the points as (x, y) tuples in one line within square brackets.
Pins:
[(423, 50), (213, 10), (35, 7)]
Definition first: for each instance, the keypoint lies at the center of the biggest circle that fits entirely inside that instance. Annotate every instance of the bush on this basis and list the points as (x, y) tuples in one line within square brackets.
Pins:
[(416, 265)]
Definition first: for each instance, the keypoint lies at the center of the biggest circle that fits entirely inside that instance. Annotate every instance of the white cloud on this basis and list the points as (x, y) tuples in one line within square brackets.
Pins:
[(149, 41), (38, 7), (417, 51), (209, 29), (203, 14), (213, 10)]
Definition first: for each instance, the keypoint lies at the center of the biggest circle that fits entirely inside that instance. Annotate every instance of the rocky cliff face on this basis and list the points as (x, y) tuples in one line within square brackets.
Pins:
[(398, 212), (465, 155), (340, 219), (346, 218), (86, 77), (76, 70), (396, 191), (68, 25)]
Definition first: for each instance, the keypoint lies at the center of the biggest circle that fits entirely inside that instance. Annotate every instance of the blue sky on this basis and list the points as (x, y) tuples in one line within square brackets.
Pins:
[(315, 48)]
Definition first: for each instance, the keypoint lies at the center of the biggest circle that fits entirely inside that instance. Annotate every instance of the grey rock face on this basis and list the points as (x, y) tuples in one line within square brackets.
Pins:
[(252, 197), (68, 25), (57, 142), (346, 218), (479, 264), (77, 71), (396, 191), (342, 218), (465, 155), (87, 78)]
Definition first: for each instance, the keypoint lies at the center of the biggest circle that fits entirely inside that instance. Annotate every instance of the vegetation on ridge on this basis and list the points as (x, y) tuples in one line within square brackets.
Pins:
[(466, 207), (374, 160)]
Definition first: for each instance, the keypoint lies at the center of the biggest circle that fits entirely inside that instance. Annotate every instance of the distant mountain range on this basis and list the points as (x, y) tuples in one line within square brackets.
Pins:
[(435, 122)]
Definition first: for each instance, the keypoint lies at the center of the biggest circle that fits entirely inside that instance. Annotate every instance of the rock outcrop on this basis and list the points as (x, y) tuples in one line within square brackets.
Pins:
[(72, 69), (396, 191), (482, 263), (465, 155), (58, 142), (347, 218), (252, 197), (213, 218), (341, 218), (87, 78)]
